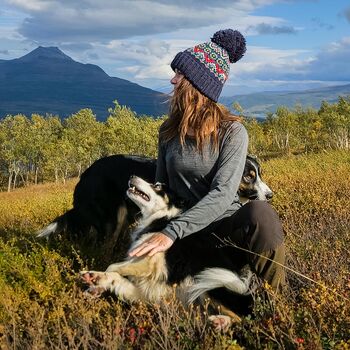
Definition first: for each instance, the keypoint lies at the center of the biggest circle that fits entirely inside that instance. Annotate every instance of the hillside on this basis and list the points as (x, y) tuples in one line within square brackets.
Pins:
[(258, 104), (48, 81)]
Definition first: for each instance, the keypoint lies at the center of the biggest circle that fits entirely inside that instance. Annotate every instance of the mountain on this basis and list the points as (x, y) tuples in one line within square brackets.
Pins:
[(260, 103), (48, 81)]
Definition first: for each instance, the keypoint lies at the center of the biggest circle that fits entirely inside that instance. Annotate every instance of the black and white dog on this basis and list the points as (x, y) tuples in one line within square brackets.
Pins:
[(101, 212), (196, 266), (252, 186)]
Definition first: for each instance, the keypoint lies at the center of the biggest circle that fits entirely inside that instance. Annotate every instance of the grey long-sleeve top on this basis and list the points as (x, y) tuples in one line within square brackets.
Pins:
[(208, 181)]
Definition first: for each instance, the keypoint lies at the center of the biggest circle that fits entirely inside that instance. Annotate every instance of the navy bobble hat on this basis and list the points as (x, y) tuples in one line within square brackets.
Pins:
[(207, 65)]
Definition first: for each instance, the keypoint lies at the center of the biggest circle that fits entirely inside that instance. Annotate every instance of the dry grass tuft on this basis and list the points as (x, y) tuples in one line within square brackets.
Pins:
[(43, 307)]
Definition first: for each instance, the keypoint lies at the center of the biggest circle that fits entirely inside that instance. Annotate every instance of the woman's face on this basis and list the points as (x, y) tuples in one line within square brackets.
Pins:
[(176, 78)]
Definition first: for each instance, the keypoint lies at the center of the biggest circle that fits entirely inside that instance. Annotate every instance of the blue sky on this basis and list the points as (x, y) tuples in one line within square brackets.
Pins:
[(291, 44)]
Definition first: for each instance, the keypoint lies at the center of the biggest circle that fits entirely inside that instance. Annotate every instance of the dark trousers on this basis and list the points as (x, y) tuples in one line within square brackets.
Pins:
[(255, 228)]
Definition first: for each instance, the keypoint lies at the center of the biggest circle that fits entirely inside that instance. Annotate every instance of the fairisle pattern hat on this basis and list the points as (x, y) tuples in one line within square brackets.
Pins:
[(207, 65)]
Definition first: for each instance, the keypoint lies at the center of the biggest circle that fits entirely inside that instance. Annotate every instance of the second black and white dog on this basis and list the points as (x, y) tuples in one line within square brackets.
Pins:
[(101, 213), (198, 268)]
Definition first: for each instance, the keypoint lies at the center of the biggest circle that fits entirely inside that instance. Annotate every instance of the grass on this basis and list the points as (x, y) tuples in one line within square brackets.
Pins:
[(42, 305)]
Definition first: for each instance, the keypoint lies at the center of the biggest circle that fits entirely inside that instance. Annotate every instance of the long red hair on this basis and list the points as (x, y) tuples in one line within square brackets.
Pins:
[(191, 111)]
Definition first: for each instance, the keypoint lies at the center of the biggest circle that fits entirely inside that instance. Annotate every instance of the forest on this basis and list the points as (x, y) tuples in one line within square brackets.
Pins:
[(37, 149)]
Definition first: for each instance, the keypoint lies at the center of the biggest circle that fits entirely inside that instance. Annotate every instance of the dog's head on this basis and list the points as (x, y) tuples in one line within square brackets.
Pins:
[(252, 186), (153, 198)]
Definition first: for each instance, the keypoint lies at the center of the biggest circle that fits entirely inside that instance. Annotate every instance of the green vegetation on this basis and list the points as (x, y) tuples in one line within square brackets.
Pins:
[(261, 103), (301, 130), (41, 149)]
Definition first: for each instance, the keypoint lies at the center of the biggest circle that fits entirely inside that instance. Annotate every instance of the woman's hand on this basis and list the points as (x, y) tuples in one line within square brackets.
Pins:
[(159, 242)]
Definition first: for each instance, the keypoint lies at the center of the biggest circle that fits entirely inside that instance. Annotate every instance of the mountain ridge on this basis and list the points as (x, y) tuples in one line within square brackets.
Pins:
[(45, 52), (261, 103), (46, 80)]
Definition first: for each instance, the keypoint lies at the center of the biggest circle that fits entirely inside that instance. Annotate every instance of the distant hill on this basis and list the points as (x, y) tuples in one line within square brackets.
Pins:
[(48, 81), (258, 104)]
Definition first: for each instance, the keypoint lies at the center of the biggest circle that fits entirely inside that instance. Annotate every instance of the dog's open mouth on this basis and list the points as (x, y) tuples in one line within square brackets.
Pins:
[(138, 192)]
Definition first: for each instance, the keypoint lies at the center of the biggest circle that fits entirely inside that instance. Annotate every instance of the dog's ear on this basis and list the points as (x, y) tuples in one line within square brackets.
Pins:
[(175, 200), (253, 157), (181, 203), (160, 185)]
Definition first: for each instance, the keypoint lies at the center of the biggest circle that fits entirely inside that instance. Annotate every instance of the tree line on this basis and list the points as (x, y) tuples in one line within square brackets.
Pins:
[(46, 148), (302, 130)]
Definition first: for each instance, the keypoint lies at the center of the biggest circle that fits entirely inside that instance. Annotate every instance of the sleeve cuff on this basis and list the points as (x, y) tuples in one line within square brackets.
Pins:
[(169, 233)]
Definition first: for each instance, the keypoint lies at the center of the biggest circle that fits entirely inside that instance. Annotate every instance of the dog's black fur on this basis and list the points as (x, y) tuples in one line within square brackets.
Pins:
[(191, 255), (101, 193), (101, 211), (149, 278)]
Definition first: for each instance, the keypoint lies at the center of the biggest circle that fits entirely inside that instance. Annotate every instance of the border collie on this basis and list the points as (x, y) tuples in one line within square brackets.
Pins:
[(101, 212), (193, 264), (252, 187)]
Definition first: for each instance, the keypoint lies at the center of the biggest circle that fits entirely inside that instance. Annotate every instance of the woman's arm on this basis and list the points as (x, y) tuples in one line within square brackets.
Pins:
[(222, 192), (224, 186), (161, 172)]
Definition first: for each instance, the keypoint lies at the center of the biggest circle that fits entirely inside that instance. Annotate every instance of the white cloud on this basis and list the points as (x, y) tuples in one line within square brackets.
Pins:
[(74, 20), (137, 39), (31, 5), (264, 28), (332, 62), (147, 62), (110, 32), (270, 65)]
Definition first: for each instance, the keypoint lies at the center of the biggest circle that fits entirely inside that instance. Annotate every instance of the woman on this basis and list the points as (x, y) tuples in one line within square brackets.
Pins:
[(202, 152)]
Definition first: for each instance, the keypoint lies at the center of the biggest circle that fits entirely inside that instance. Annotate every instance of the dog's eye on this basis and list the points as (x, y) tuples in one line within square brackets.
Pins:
[(250, 176), (158, 186), (247, 178)]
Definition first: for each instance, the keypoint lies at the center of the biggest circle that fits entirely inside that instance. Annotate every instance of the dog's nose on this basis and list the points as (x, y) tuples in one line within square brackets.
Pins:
[(269, 195)]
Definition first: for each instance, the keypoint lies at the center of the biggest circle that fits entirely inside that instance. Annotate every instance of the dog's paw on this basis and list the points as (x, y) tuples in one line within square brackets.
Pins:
[(249, 278), (220, 323), (94, 280), (99, 282), (246, 273), (90, 277)]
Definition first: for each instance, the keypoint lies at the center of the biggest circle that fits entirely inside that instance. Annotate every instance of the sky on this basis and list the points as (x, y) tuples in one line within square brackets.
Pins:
[(291, 44)]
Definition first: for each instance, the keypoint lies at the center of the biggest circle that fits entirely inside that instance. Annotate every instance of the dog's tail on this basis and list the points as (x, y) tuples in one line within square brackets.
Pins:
[(59, 225), (215, 277)]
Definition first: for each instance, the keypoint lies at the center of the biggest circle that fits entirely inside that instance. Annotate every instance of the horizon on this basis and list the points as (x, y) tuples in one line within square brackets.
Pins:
[(292, 45), (256, 92)]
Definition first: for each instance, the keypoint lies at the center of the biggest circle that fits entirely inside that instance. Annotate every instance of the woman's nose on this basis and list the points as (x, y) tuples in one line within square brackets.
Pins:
[(173, 80), (176, 78)]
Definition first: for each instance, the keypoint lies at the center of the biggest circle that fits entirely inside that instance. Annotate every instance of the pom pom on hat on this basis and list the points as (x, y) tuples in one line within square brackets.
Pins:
[(232, 41), (207, 65)]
